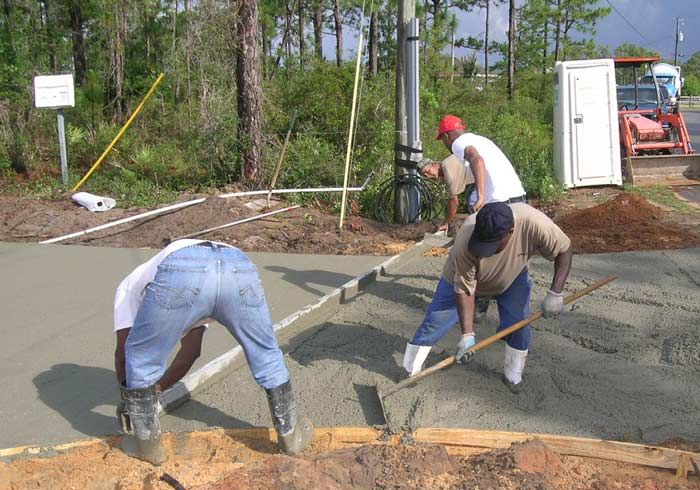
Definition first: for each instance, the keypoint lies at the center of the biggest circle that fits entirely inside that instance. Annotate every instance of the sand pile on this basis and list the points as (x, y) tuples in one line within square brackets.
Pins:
[(626, 222)]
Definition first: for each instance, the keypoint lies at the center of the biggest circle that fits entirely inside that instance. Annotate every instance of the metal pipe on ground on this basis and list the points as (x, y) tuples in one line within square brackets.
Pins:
[(153, 212), (297, 191), (448, 361), (245, 220)]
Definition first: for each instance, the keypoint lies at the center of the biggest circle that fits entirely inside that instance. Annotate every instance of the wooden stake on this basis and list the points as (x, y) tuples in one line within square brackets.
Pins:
[(683, 466), (281, 159)]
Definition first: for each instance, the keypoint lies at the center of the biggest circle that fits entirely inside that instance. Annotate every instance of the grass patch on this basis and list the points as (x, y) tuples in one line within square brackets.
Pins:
[(127, 189), (661, 195)]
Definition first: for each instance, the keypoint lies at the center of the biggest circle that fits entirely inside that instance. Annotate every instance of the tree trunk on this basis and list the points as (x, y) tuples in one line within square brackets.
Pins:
[(301, 34), (118, 61), (79, 61), (453, 40), (188, 62), (47, 21), (265, 49), (511, 49), (248, 90), (486, 45), (565, 41), (557, 35), (318, 29), (545, 34), (10, 55), (176, 92), (288, 10), (373, 43), (338, 20)]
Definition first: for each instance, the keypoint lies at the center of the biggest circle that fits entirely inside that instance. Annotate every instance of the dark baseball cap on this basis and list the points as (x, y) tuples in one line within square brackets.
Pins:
[(493, 222)]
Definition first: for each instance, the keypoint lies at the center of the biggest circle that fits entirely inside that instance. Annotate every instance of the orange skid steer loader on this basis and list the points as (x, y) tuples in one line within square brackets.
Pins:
[(654, 140)]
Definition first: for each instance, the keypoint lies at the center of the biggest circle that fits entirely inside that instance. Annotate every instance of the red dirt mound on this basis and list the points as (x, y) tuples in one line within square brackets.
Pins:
[(626, 222), (530, 465)]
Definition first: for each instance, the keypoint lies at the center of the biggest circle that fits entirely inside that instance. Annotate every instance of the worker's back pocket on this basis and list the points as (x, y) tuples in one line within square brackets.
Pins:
[(252, 295), (177, 286)]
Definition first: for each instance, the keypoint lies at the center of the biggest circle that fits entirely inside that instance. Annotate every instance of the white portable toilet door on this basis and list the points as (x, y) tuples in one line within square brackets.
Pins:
[(591, 134)]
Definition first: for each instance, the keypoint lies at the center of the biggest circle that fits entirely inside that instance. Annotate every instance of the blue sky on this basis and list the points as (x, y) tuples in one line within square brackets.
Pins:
[(653, 21), (653, 25)]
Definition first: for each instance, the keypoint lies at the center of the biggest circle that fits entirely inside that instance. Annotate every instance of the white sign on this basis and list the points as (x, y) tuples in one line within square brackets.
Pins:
[(54, 91)]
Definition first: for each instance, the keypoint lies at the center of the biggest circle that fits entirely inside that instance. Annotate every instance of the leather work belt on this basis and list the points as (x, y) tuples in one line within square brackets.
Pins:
[(516, 199)]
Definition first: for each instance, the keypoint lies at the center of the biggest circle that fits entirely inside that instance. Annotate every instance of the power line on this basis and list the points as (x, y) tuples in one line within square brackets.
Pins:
[(628, 22)]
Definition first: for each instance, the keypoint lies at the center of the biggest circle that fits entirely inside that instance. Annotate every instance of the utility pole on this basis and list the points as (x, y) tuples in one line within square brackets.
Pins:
[(679, 38), (408, 149)]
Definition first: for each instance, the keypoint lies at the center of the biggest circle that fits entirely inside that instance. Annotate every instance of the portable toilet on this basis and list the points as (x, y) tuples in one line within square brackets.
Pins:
[(586, 131)]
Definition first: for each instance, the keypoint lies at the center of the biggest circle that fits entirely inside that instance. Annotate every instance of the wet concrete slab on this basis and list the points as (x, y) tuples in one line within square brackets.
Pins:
[(56, 366), (621, 363)]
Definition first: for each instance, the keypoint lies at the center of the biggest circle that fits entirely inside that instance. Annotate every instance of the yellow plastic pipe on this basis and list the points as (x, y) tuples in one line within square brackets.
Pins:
[(350, 132), (120, 134)]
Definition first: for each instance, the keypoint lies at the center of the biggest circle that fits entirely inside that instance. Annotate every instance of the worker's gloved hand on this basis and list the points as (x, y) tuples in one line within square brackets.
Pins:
[(552, 304), (465, 343)]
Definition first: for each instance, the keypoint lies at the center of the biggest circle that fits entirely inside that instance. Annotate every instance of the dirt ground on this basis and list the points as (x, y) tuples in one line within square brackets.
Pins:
[(625, 222), (302, 230), (595, 218), (213, 460)]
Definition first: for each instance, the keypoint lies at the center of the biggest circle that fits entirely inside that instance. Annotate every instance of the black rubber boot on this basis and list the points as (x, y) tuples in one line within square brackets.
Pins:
[(293, 435), (144, 442), (515, 389)]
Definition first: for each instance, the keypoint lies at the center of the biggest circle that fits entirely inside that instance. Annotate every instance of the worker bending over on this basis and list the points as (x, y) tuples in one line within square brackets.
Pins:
[(489, 258), (165, 300), (495, 179), (452, 172)]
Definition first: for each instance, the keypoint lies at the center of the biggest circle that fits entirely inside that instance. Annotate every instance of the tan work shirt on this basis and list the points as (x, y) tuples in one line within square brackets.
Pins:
[(533, 232), (455, 175)]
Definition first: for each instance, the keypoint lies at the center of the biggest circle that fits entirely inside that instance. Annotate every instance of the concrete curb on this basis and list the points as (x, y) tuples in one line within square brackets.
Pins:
[(303, 318)]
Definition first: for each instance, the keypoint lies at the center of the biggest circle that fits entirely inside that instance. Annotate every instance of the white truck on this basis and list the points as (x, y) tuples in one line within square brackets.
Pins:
[(668, 76)]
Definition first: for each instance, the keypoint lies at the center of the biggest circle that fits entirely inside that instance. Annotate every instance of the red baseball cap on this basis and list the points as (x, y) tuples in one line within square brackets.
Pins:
[(449, 123)]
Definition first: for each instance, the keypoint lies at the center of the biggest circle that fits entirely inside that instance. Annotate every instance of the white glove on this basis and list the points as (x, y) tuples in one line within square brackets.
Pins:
[(552, 304), (465, 343)]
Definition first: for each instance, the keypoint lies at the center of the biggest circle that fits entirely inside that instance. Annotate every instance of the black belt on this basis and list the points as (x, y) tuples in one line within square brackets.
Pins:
[(512, 200), (516, 199)]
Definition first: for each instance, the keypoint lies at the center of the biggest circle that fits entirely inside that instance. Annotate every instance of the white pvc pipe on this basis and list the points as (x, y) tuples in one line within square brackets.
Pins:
[(245, 220), (197, 201), (295, 191), (126, 220)]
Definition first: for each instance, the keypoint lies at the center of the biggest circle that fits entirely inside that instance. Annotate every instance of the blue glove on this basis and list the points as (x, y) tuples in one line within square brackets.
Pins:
[(465, 343)]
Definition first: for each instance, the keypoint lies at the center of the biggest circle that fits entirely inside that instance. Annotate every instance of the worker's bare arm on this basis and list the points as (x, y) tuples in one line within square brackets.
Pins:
[(190, 350), (562, 267), (465, 310), (450, 214), (476, 163), (119, 358)]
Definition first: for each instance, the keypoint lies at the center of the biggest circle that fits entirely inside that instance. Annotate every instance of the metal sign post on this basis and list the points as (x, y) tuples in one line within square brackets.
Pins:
[(62, 145), (56, 92)]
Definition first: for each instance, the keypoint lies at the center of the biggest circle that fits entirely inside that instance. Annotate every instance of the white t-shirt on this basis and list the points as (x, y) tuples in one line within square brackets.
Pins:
[(131, 290), (502, 183)]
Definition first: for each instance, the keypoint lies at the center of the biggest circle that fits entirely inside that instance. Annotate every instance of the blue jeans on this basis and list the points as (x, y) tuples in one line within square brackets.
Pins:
[(192, 284), (513, 306)]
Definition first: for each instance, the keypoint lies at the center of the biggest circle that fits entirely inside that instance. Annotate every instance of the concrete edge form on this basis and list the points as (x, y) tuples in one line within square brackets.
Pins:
[(307, 316), (622, 452)]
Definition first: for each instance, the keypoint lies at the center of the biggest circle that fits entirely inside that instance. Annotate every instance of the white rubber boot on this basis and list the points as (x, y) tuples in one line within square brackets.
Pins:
[(513, 366), (414, 357)]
